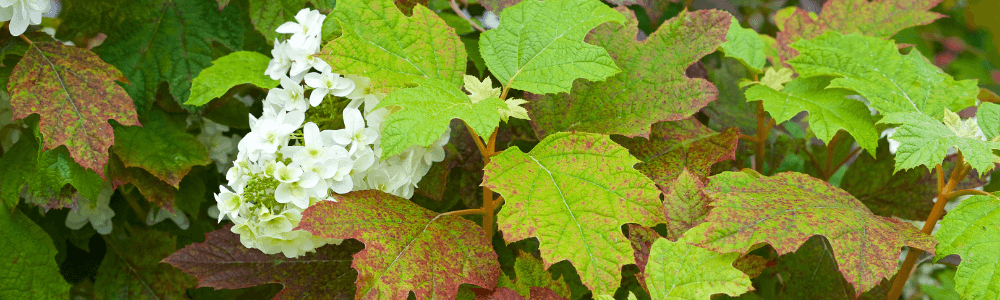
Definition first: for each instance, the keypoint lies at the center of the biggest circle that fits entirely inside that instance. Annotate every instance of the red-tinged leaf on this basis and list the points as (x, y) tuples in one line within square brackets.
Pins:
[(812, 271), (161, 147), (498, 5), (652, 85), (881, 18), (221, 262), (686, 205), (541, 293), (674, 146), (501, 293), (75, 94), (751, 264), (407, 248), (131, 269), (642, 239), (787, 209)]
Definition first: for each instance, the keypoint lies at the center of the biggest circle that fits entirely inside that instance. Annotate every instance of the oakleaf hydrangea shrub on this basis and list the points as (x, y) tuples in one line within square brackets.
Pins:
[(532, 149)]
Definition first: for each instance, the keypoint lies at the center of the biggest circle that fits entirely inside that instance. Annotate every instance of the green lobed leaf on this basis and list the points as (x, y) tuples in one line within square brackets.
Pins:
[(680, 271), (75, 95), (572, 192), (829, 109), (234, 69), (129, 274), (787, 209), (988, 116), (652, 85), (169, 41), (381, 43), (221, 262), (29, 267), (161, 147), (426, 111), (42, 177), (539, 46), (675, 146), (971, 231), (744, 45), (892, 82), (407, 248), (925, 141), (878, 18)]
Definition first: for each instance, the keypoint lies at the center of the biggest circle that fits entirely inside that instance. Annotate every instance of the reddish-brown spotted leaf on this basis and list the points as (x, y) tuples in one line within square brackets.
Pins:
[(881, 18), (685, 205), (407, 248), (221, 262), (642, 239), (787, 209), (498, 5), (75, 94), (674, 146), (812, 270), (652, 85), (751, 264)]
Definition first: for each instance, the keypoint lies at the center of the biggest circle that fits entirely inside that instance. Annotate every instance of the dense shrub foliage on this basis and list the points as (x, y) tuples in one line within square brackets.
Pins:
[(499, 149)]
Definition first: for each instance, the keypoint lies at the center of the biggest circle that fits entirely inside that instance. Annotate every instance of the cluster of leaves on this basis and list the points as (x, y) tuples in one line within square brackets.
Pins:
[(671, 153)]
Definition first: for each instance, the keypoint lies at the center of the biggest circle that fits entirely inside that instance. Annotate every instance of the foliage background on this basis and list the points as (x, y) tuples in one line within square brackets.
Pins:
[(161, 46)]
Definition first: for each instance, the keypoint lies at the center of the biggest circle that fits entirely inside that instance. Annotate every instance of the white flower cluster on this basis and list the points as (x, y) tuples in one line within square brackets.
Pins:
[(22, 13), (287, 163)]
